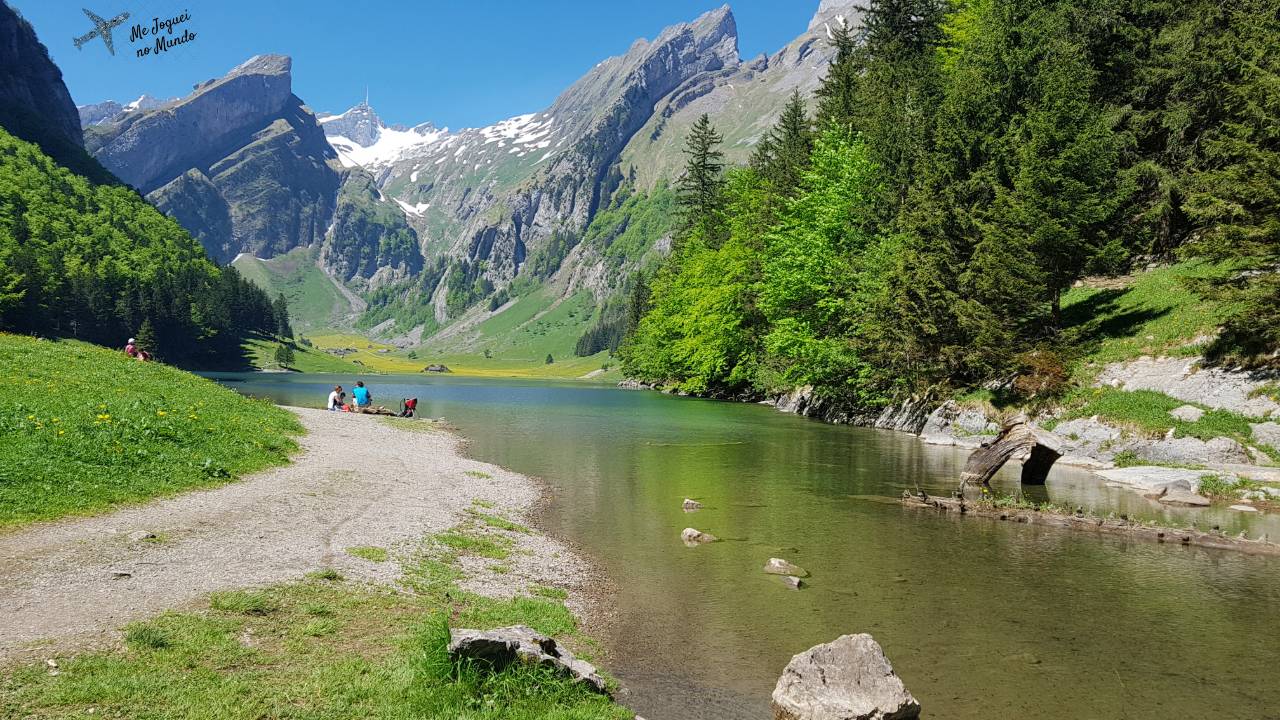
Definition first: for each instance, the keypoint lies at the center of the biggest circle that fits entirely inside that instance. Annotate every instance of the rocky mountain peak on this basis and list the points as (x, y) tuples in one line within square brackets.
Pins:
[(263, 65), (829, 9), (360, 124)]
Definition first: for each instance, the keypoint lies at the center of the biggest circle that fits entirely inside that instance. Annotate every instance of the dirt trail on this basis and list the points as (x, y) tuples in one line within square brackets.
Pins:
[(356, 482)]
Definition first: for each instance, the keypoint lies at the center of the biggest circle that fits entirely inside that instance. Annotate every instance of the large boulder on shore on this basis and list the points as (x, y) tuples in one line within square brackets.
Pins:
[(1191, 451), (846, 679), (499, 648)]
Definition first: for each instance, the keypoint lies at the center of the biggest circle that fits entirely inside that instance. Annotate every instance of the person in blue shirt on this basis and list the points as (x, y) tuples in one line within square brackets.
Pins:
[(361, 396)]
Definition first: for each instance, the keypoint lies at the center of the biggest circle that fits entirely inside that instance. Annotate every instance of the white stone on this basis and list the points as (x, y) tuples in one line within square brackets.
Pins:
[(846, 679), (778, 566), (1187, 413)]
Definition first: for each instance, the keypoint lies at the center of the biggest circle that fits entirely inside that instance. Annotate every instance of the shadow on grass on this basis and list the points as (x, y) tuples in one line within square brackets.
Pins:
[(1089, 323)]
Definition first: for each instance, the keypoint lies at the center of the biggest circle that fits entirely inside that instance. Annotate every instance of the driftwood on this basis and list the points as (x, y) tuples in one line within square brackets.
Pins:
[(1123, 527), (1037, 449)]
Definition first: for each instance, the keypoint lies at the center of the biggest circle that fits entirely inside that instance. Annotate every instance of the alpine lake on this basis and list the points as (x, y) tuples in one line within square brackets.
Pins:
[(981, 619)]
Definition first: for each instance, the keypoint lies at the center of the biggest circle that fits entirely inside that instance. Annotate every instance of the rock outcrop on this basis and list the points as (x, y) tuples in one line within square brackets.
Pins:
[(1190, 451), (846, 679), (244, 165), (240, 162), (499, 648), (34, 102), (1182, 378)]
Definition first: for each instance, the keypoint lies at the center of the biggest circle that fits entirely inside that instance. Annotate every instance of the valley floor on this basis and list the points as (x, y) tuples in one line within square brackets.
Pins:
[(360, 499)]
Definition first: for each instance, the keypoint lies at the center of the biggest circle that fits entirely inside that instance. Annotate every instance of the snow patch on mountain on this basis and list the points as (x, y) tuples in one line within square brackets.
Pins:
[(391, 146), (414, 210)]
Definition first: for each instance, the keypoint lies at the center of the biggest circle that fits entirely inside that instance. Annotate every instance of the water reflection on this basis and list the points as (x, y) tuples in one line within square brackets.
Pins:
[(982, 619)]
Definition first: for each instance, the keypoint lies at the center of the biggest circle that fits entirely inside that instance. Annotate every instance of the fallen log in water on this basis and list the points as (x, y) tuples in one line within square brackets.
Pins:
[(1037, 449), (1123, 527)]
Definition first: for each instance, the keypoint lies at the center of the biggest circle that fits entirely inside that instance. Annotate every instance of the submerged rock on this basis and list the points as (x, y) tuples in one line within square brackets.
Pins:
[(1184, 497), (499, 648), (846, 679), (689, 505), (693, 537), (792, 582), (778, 566)]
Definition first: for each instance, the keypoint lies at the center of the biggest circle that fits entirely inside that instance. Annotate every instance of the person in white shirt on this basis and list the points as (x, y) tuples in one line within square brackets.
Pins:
[(335, 399)]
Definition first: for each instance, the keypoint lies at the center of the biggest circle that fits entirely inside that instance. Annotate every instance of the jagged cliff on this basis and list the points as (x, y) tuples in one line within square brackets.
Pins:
[(34, 102), (242, 163), (447, 217)]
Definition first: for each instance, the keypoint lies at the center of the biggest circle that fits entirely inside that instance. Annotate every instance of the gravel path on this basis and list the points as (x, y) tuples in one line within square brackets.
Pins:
[(358, 481)]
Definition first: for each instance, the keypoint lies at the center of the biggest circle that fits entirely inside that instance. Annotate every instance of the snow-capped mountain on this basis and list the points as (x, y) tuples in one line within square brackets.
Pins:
[(98, 113), (444, 217)]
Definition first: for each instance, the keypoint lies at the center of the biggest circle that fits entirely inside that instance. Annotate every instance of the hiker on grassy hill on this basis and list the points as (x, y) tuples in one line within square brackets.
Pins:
[(131, 348), (361, 397)]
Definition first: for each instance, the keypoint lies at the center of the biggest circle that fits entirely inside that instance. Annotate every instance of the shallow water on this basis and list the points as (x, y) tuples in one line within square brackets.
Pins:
[(981, 619)]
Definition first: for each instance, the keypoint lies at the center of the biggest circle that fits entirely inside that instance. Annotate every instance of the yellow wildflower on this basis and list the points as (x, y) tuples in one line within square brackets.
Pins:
[(161, 413)]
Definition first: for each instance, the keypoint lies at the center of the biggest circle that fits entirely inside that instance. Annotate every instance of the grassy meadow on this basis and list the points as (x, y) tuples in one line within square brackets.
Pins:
[(322, 648), (87, 429)]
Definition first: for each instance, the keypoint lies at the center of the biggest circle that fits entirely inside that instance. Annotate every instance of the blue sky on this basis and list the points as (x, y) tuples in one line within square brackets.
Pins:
[(453, 62)]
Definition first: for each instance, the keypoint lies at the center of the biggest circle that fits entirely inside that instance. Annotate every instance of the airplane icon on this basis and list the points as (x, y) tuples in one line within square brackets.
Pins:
[(103, 30)]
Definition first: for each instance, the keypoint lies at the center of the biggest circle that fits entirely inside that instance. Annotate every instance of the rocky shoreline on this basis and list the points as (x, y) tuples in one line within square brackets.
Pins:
[(1169, 468), (1121, 527)]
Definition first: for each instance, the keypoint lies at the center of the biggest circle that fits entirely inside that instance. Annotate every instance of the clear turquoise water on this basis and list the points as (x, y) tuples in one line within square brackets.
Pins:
[(981, 619)]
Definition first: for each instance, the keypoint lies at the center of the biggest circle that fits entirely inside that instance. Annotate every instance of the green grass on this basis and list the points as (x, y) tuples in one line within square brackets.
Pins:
[(477, 474), (370, 553), (324, 651), (501, 523), (145, 635), (546, 591), (86, 429), (1151, 313), (261, 354), (242, 602), (464, 541), (411, 424), (1146, 412), (315, 301), (1221, 487)]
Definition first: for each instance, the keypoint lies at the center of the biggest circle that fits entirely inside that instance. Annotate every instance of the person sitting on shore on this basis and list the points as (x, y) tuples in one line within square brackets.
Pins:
[(361, 397), (335, 399), (408, 408)]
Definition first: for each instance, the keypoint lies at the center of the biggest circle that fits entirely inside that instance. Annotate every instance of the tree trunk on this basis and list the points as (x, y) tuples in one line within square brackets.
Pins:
[(1035, 448)]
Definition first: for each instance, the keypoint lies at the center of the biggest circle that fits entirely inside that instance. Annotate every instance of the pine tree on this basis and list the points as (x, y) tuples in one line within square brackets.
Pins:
[(280, 308), (700, 190), (784, 154), (146, 337), (284, 355), (837, 101)]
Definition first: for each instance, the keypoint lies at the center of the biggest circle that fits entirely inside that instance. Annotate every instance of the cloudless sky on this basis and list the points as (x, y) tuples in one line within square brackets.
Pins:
[(461, 63)]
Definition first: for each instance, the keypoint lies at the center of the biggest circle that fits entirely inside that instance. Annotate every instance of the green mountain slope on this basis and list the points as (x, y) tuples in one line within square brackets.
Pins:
[(98, 263)]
